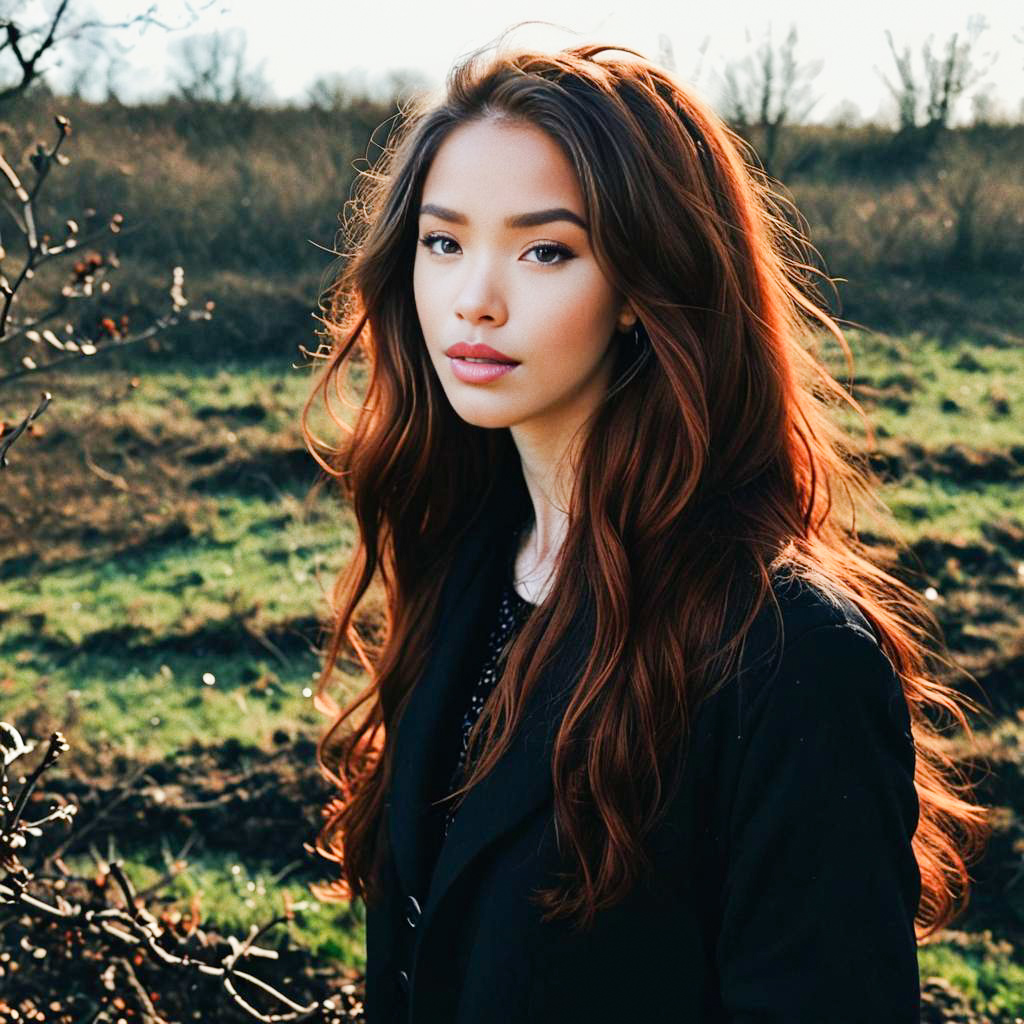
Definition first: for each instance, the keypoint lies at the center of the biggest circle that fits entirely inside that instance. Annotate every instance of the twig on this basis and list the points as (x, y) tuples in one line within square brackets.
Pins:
[(9, 438), (149, 1014), (111, 478), (103, 812), (28, 225), (38, 250), (169, 320), (134, 925)]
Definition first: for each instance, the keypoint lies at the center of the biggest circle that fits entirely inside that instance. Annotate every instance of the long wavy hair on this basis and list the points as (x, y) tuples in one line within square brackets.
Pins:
[(744, 469)]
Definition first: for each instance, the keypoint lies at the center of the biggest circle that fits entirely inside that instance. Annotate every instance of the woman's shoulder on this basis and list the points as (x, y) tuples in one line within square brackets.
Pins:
[(805, 613), (803, 601), (811, 656)]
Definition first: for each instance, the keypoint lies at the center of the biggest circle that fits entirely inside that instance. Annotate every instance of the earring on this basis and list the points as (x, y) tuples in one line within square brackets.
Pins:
[(636, 332)]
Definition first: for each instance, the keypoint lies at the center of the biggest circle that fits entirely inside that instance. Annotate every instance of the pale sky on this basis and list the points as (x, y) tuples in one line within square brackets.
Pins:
[(365, 40)]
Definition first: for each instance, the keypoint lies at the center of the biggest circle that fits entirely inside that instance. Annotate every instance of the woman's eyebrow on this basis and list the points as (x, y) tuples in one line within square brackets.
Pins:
[(519, 220)]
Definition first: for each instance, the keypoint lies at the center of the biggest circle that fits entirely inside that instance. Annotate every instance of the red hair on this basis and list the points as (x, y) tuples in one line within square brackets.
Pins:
[(745, 471)]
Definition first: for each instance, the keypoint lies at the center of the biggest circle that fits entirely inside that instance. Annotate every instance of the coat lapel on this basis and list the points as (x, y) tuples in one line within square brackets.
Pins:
[(431, 705), (521, 780)]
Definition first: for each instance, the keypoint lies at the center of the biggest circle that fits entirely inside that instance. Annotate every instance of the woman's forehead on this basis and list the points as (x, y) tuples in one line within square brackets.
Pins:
[(502, 173)]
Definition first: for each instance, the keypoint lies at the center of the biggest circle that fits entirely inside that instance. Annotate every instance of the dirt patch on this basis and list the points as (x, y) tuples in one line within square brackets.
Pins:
[(263, 472), (894, 393), (242, 415), (236, 797), (68, 496), (232, 637), (957, 462), (70, 973), (230, 797)]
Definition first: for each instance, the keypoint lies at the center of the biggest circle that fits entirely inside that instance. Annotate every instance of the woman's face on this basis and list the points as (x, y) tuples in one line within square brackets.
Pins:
[(532, 291)]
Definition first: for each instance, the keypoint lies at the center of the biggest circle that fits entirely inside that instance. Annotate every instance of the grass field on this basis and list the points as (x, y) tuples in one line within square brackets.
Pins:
[(165, 579)]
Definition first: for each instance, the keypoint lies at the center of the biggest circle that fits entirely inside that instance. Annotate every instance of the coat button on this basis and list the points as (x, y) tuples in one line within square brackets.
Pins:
[(403, 981), (412, 911)]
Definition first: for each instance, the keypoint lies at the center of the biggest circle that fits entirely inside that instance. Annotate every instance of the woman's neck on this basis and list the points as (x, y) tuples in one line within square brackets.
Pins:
[(531, 578), (547, 472)]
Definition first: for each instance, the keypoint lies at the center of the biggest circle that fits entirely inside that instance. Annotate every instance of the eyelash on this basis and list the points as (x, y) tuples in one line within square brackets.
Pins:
[(567, 254)]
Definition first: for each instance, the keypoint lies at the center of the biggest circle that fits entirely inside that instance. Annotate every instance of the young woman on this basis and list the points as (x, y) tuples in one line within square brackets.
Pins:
[(646, 735)]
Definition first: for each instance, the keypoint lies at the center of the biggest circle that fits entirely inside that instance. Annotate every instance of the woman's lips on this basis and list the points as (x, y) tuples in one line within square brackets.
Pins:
[(464, 350), (479, 373)]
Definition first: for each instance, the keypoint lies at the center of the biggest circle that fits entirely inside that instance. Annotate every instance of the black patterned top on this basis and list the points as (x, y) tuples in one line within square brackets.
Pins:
[(512, 611)]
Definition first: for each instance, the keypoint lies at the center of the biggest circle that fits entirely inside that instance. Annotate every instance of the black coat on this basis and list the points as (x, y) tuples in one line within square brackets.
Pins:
[(785, 885)]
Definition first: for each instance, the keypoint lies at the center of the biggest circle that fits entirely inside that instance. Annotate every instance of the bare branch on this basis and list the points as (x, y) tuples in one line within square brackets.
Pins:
[(27, 64), (8, 438), (133, 925), (158, 325), (87, 272), (47, 38)]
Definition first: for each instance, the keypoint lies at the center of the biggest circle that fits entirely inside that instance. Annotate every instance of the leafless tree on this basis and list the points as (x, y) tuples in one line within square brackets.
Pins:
[(1019, 38), (907, 93), (95, 69), (212, 68), (945, 79), (769, 89), (667, 58), (30, 46), (702, 51), (846, 114), (334, 92), (986, 108)]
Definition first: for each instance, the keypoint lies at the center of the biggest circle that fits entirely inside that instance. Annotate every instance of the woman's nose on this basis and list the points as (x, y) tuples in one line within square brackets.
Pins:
[(479, 302)]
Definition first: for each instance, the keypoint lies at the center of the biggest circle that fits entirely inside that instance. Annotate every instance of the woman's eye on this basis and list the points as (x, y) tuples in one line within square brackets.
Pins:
[(558, 250), (544, 248), (429, 240)]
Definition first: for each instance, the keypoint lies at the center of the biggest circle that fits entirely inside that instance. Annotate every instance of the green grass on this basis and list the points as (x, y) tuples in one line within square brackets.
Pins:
[(255, 554), (268, 561), (151, 704), (985, 973), (931, 365), (255, 565), (943, 508), (171, 391)]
